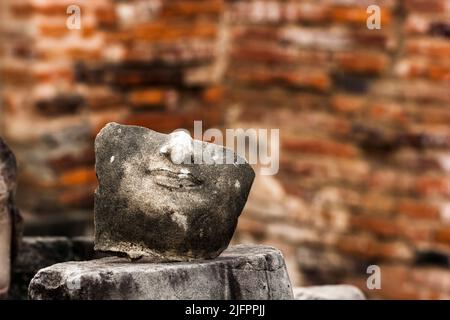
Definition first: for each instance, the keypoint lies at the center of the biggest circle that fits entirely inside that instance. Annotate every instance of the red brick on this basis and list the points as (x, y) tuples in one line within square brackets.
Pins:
[(50, 73), (362, 62), (429, 47), (348, 103), (418, 210), (433, 185), (159, 31), (423, 68), (442, 235), (429, 6), (264, 53), (15, 73), (161, 121), (147, 97), (302, 78), (326, 170), (189, 8), (213, 95), (415, 233), (106, 16), (260, 33), (378, 225), (388, 111), (57, 28), (397, 283), (438, 72), (390, 228), (319, 146), (316, 79), (101, 98), (357, 15), (381, 39)]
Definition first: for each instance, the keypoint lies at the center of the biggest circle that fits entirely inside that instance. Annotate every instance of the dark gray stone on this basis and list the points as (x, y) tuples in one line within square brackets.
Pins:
[(330, 292), (10, 220), (83, 249), (241, 272), (36, 253), (150, 202)]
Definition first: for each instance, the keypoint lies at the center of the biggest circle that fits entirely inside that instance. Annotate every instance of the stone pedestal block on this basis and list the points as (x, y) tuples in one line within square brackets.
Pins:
[(241, 272)]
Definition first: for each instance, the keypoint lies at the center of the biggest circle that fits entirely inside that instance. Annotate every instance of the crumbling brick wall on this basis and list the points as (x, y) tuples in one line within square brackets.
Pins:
[(153, 63), (365, 133), (364, 117)]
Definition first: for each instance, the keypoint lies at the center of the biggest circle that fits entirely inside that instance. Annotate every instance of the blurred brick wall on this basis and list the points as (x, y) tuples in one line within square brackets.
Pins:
[(151, 63), (364, 117), (365, 128)]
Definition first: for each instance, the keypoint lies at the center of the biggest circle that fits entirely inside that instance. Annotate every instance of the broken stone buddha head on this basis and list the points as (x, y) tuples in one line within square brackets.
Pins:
[(154, 200)]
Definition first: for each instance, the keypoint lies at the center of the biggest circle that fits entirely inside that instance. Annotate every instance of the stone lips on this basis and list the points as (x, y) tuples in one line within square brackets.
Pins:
[(146, 205), (250, 272), (10, 220)]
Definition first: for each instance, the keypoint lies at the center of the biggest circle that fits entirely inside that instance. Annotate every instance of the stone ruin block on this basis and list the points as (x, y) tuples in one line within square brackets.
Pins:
[(244, 272)]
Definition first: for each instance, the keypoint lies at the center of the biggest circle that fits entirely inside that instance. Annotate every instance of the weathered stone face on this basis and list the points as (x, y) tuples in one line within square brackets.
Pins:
[(9, 216), (147, 204)]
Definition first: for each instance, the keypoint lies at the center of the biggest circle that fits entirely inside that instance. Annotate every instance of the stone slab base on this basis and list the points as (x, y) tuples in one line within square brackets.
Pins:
[(240, 272)]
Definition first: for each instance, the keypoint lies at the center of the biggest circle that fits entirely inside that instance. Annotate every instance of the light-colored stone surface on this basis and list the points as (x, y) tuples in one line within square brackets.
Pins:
[(330, 292), (241, 272)]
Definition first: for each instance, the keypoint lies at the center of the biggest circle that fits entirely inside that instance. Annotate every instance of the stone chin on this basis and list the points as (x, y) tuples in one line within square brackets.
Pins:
[(147, 205)]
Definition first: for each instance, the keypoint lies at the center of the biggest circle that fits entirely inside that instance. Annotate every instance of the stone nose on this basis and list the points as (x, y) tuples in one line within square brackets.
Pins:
[(179, 148)]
